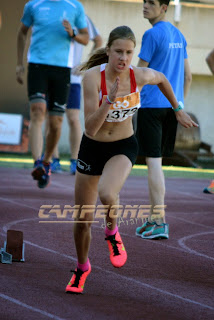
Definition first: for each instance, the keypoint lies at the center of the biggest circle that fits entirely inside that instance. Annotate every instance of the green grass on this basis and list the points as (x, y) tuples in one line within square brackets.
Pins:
[(178, 172), (25, 161)]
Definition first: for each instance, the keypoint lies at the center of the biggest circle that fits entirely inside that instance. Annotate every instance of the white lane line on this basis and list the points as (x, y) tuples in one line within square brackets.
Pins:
[(191, 222), (125, 278), (7, 226), (181, 243), (27, 306)]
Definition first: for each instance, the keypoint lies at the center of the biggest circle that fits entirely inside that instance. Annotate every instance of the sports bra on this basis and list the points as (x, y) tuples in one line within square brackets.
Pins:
[(123, 107)]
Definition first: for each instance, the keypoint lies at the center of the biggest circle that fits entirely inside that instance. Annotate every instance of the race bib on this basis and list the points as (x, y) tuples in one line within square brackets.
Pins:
[(123, 107)]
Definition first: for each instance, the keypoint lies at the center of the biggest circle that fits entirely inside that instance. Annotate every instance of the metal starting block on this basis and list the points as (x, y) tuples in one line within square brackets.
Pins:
[(14, 245)]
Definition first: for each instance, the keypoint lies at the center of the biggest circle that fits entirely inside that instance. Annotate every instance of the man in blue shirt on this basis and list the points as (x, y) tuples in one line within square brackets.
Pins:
[(50, 59), (74, 99), (163, 48)]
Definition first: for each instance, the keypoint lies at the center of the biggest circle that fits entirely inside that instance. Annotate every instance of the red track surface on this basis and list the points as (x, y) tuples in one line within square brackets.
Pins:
[(164, 279)]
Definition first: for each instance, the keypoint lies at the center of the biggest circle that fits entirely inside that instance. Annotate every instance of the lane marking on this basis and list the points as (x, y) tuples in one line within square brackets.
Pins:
[(27, 306), (124, 278), (181, 242), (7, 226)]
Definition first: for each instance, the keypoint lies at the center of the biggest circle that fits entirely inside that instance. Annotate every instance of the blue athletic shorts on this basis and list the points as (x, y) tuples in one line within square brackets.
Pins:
[(74, 96)]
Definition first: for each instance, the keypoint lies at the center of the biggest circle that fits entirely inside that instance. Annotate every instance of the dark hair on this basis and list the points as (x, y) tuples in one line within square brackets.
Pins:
[(100, 56), (164, 2)]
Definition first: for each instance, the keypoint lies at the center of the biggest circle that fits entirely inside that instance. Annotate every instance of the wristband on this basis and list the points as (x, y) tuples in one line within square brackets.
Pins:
[(180, 106), (108, 100), (74, 33)]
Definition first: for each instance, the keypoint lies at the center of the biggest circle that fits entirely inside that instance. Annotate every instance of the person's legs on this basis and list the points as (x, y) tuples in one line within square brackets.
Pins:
[(53, 135), (114, 175), (37, 117), (85, 194), (156, 184), (37, 89), (75, 131), (56, 150), (156, 131)]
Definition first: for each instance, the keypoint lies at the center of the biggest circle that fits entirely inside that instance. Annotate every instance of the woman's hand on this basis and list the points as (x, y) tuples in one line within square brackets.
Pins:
[(113, 91)]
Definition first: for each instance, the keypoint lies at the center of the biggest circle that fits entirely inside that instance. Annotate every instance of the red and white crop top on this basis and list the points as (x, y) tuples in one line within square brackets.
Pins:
[(123, 107)]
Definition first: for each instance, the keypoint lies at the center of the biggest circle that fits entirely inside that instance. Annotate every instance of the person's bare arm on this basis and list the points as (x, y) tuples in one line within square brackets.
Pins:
[(21, 41), (82, 36), (97, 42), (187, 77), (95, 115), (210, 61)]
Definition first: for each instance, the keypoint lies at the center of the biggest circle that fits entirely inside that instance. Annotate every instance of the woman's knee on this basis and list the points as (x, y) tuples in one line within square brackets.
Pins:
[(107, 197), (83, 227)]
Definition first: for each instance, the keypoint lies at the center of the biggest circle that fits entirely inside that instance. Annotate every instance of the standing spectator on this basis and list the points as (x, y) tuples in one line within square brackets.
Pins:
[(73, 106), (210, 63), (163, 48), (50, 58)]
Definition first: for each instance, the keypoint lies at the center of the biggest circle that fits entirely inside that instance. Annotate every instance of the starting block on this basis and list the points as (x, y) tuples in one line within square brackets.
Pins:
[(14, 245), (5, 257)]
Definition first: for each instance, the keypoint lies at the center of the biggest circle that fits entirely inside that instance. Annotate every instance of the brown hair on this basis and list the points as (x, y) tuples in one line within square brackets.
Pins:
[(100, 56)]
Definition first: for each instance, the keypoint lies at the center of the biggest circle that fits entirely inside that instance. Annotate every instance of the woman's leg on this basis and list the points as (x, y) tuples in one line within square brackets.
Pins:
[(85, 194), (114, 175), (111, 182)]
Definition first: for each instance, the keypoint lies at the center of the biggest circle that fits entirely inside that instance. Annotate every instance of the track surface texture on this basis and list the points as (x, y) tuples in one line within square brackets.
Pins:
[(162, 279)]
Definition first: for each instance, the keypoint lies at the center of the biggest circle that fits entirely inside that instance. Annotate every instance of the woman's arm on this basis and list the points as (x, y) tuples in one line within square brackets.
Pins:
[(95, 115)]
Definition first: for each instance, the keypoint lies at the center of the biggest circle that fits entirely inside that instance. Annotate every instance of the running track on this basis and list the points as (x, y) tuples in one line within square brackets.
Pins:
[(164, 279)]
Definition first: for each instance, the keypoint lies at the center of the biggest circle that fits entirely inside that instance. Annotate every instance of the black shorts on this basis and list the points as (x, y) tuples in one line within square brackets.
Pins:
[(156, 132), (93, 155), (49, 83)]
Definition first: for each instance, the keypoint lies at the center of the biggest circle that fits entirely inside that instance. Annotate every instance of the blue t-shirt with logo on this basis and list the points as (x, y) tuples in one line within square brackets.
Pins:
[(164, 48), (50, 42)]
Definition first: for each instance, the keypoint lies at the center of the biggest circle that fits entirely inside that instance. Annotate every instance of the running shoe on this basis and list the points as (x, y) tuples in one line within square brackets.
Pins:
[(77, 282), (37, 163), (118, 254), (42, 174), (56, 166), (210, 189), (147, 226), (157, 232), (73, 166)]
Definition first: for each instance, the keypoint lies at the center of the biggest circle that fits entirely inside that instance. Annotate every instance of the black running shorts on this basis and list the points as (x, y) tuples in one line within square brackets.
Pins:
[(93, 154), (49, 83), (156, 132)]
